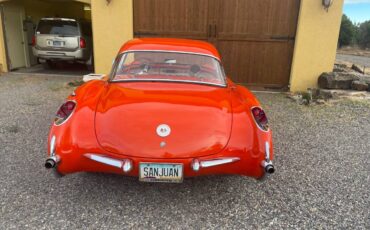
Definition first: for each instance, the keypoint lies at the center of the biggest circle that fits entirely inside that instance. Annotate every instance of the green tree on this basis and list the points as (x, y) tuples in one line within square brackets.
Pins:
[(347, 32), (364, 34)]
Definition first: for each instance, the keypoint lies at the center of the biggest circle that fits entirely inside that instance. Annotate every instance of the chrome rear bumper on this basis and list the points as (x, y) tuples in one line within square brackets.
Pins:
[(126, 164)]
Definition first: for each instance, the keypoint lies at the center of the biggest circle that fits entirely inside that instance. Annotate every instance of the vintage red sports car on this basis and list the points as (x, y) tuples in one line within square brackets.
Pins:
[(167, 111)]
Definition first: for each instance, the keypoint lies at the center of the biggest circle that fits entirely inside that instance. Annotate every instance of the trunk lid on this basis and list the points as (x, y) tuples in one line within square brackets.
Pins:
[(129, 117)]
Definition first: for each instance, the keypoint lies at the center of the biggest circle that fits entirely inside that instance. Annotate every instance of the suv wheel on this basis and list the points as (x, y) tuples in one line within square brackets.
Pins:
[(48, 64), (90, 64)]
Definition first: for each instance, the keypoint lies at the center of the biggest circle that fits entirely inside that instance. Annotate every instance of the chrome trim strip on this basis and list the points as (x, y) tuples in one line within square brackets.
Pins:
[(52, 146), (267, 154), (172, 51), (167, 80), (105, 160), (216, 162)]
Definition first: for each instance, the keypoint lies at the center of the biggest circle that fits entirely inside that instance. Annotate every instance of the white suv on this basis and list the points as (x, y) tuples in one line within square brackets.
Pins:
[(63, 39)]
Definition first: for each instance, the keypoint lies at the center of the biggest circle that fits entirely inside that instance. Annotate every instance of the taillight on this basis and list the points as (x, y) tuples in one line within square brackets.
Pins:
[(64, 112), (33, 40), (82, 43), (260, 118)]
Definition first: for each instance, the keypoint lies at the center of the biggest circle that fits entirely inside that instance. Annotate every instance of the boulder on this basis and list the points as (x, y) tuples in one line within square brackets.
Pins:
[(340, 65), (365, 78), (337, 80), (340, 68), (357, 68), (360, 86)]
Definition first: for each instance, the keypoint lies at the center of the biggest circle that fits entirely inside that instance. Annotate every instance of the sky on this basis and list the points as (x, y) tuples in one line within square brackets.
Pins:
[(357, 10)]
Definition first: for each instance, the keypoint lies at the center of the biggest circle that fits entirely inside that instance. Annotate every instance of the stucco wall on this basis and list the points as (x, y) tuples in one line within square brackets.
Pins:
[(112, 26), (3, 63), (316, 43)]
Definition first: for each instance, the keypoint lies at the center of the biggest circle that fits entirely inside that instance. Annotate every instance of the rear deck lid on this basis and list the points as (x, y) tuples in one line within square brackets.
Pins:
[(163, 120)]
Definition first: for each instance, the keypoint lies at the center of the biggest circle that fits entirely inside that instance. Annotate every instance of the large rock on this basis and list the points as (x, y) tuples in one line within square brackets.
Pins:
[(340, 65), (337, 80), (365, 78), (340, 68), (360, 85), (357, 68)]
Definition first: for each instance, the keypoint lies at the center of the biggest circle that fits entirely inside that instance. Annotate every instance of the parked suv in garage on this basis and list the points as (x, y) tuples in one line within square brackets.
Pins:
[(63, 39)]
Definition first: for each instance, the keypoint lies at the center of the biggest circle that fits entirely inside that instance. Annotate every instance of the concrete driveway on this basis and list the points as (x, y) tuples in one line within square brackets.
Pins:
[(322, 179)]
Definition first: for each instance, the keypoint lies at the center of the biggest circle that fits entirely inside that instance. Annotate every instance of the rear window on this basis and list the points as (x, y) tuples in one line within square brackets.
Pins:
[(168, 66), (59, 27)]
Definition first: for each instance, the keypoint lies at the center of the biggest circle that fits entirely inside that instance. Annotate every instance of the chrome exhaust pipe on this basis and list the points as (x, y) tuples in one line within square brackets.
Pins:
[(52, 162), (268, 167), (267, 163), (53, 159)]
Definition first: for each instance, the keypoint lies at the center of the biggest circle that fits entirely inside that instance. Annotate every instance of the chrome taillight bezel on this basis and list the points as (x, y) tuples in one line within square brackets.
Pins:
[(68, 117), (260, 127)]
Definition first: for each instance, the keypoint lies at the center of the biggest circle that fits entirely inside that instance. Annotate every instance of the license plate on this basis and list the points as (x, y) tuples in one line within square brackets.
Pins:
[(161, 172), (55, 43)]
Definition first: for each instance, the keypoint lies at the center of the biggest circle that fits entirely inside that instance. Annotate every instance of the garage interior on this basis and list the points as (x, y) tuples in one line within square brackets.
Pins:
[(255, 38), (20, 18)]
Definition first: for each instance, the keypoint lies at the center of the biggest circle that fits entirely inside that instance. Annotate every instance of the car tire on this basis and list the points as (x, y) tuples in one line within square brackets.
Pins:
[(48, 64), (90, 64)]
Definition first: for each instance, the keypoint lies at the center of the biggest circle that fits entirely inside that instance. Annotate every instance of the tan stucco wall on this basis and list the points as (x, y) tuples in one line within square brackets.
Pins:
[(3, 63), (316, 43), (112, 26)]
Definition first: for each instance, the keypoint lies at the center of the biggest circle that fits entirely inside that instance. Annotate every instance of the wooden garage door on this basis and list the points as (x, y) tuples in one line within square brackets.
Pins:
[(255, 38)]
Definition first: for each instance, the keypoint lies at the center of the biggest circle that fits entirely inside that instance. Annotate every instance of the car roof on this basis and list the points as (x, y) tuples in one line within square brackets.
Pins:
[(170, 44)]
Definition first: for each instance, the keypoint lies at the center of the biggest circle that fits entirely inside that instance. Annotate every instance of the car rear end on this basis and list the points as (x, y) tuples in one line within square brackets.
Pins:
[(60, 39)]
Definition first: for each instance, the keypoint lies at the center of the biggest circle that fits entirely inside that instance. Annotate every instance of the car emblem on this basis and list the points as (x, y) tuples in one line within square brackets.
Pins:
[(163, 130)]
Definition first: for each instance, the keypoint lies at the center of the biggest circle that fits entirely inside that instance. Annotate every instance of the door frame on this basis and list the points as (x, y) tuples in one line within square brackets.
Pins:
[(7, 58), (24, 45)]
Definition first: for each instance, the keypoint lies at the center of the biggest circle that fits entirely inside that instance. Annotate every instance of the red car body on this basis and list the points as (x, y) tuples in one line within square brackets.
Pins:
[(112, 127)]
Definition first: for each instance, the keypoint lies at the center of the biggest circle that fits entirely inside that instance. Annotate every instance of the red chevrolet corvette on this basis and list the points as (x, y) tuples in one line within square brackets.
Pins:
[(166, 111)]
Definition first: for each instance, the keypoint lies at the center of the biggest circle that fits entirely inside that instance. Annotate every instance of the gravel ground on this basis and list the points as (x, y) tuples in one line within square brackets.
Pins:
[(359, 60), (322, 179)]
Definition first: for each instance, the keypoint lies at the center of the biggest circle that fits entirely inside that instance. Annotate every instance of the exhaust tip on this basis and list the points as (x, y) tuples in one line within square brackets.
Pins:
[(50, 163), (270, 169)]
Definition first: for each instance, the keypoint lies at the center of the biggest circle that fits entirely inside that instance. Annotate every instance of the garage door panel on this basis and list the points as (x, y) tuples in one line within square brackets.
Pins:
[(255, 37), (257, 63), (257, 18), (180, 18)]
